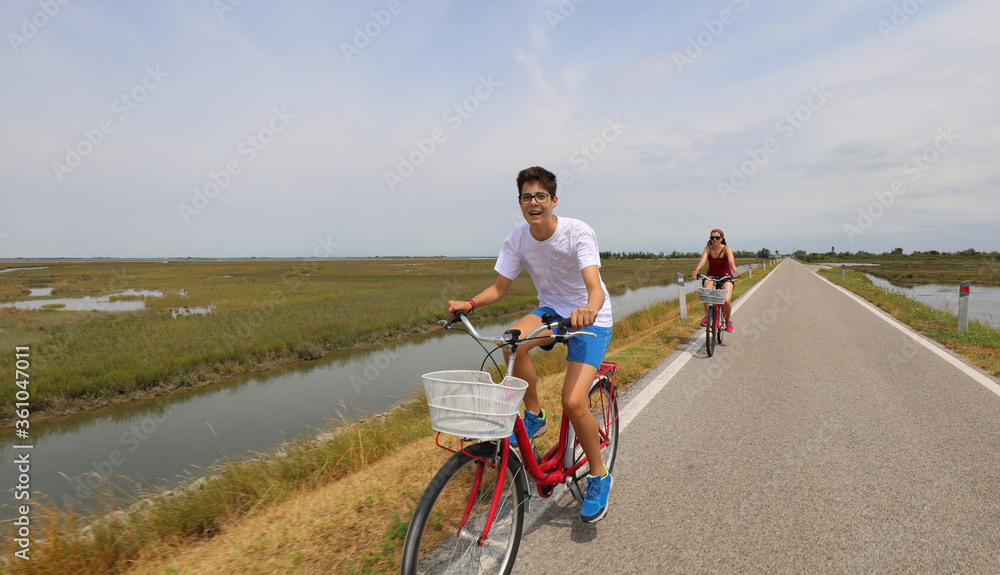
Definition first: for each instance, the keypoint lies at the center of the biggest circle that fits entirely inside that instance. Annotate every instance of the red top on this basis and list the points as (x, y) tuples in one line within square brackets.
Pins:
[(718, 267)]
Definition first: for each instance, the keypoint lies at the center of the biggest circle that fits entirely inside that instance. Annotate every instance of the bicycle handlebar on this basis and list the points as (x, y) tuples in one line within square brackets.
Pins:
[(725, 278), (510, 337)]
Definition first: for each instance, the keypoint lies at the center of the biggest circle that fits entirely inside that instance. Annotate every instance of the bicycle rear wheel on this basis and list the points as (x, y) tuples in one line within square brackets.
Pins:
[(435, 544), (722, 326), (710, 331), (604, 406)]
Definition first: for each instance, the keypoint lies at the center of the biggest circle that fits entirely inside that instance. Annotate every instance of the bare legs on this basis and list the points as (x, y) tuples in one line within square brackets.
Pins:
[(575, 394), (728, 307)]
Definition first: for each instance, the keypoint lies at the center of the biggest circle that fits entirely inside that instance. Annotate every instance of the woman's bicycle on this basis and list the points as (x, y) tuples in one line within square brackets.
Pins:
[(470, 517), (715, 298)]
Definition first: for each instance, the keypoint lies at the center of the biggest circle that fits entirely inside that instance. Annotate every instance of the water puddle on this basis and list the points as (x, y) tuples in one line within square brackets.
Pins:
[(197, 310), (133, 300), (19, 269)]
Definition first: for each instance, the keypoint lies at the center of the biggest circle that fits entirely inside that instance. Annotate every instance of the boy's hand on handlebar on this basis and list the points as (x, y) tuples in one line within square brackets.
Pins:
[(455, 305), (583, 317)]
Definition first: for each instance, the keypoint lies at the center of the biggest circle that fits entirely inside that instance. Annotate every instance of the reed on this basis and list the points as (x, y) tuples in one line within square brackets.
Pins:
[(909, 271)]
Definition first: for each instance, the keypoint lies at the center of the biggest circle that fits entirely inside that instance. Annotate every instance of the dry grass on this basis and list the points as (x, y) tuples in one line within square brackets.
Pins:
[(339, 527)]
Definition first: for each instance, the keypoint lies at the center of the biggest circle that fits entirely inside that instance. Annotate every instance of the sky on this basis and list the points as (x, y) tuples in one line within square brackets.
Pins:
[(232, 128)]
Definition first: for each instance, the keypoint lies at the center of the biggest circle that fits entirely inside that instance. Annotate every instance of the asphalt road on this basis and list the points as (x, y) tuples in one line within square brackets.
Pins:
[(819, 438)]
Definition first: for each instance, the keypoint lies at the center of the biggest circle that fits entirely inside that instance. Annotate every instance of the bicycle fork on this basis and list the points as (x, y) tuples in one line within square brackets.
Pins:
[(498, 490)]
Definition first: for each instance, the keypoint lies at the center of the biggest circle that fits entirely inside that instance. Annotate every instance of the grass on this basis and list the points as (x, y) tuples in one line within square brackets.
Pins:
[(332, 506), (980, 345), (912, 271), (267, 313)]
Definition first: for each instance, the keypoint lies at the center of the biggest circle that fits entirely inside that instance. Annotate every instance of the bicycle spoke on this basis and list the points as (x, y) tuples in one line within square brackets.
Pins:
[(462, 496)]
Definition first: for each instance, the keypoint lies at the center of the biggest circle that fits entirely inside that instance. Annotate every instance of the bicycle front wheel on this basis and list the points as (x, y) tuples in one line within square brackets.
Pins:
[(710, 331), (446, 528)]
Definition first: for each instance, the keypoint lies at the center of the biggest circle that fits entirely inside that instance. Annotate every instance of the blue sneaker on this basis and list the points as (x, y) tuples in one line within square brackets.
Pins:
[(595, 502), (533, 424)]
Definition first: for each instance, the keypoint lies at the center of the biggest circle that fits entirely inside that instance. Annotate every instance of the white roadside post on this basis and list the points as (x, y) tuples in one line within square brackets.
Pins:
[(963, 306), (681, 296), (843, 274)]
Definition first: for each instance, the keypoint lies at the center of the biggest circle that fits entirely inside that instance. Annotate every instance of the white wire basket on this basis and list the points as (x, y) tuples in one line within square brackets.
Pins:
[(711, 296), (468, 404)]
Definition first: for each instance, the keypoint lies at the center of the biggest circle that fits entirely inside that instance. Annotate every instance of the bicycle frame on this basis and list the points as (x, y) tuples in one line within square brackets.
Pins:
[(718, 316), (717, 325), (557, 466)]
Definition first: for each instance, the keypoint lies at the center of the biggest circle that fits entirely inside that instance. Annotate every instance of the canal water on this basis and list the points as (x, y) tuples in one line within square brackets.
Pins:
[(164, 440), (984, 302)]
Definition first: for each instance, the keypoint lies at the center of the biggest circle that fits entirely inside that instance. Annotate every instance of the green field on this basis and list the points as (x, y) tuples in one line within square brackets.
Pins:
[(266, 313), (908, 273), (920, 269)]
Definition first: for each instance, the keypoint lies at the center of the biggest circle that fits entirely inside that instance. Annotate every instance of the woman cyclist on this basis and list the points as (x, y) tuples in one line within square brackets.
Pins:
[(720, 263)]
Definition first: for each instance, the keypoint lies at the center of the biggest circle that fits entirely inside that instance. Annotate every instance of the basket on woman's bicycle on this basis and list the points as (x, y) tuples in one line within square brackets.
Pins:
[(712, 296), (468, 404)]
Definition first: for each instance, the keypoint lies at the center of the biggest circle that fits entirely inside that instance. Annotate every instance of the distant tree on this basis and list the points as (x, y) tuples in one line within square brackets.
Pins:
[(763, 253), (898, 251)]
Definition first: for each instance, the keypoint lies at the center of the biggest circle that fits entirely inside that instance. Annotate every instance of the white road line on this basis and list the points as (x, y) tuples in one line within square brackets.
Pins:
[(961, 365), (640, 401)]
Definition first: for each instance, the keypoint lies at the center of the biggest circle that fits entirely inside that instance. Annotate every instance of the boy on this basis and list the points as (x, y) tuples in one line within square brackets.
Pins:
[(562, 258)]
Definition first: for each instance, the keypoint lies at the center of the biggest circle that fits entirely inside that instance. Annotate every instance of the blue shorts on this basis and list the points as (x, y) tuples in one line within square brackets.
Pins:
[(582, 348)]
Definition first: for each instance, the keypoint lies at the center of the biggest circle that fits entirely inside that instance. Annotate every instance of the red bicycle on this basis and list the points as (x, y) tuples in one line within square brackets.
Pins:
[(715, 298), (470, 517)]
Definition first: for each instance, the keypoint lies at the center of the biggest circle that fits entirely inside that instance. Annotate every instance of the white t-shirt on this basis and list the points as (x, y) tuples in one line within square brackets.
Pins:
[(556, 265)]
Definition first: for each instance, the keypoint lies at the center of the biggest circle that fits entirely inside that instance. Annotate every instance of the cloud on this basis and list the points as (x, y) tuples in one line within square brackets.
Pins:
[(656, 183)]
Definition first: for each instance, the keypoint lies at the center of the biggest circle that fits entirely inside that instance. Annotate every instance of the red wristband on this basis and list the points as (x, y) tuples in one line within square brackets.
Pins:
[(472, 303)]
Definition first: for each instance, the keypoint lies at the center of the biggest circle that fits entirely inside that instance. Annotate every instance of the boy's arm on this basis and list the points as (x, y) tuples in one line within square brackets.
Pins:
[(585, 316), (490, 295)]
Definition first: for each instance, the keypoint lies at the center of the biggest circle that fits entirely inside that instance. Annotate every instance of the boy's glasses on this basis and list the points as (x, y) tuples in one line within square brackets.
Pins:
[(540, 197)]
